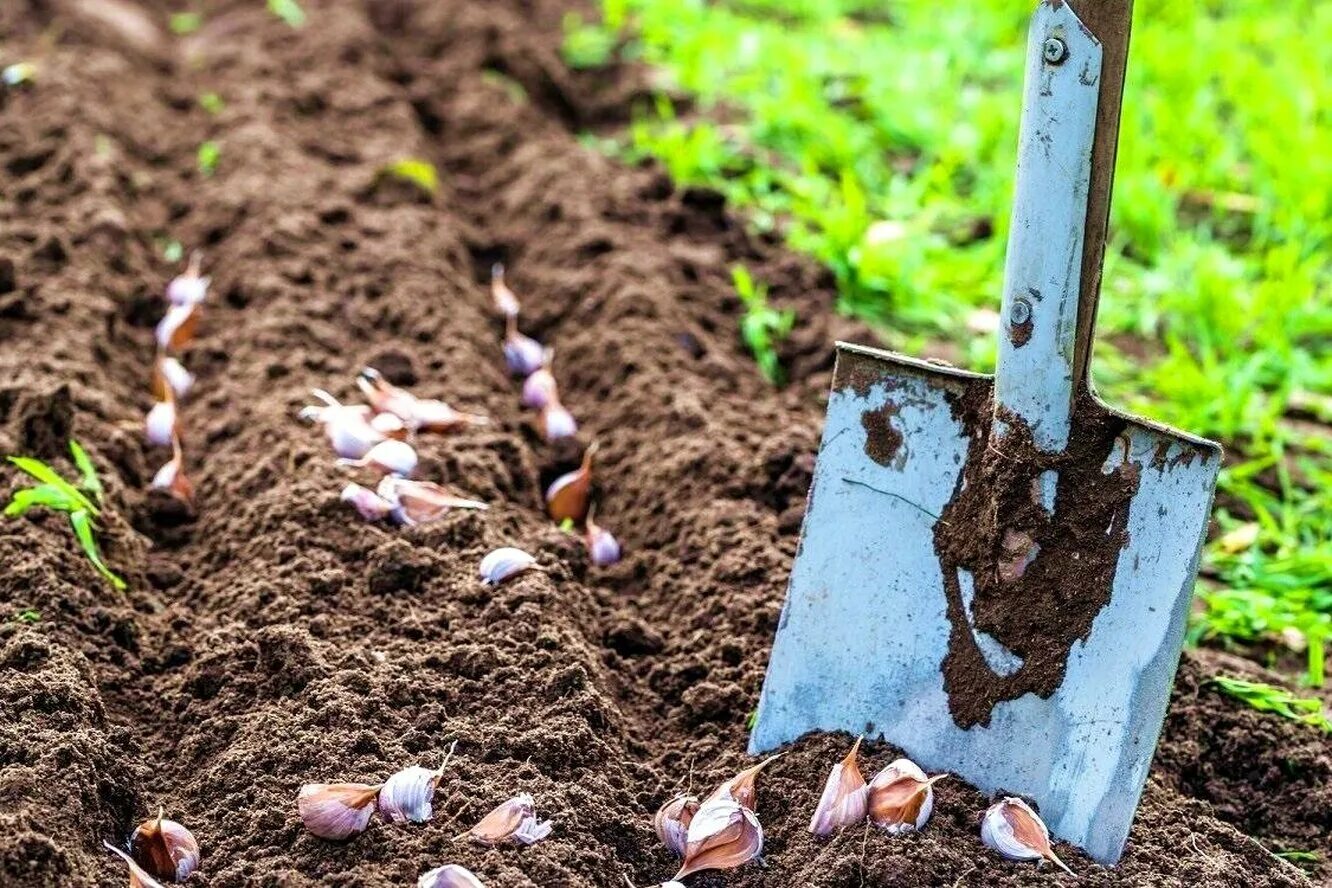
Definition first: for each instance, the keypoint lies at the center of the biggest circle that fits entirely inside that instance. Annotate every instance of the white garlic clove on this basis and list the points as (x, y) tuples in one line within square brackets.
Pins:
[(506, 303), (843, 800), (901, 798), (503, 564), (512, 822), (1017, 832), (742, 788), (556, 422), (159, 426), (369, 504), (188, 288), (417, 502), (568, 495), (722, 835), (336, 811), (603, 549), (539, 389), (523, 354), (451, 876), (348, 426), (171, 476), (389, 425), (672, 820), (139, 878), (165, 849), (177, 327), (389, 456), (406, 796), (170, 378)]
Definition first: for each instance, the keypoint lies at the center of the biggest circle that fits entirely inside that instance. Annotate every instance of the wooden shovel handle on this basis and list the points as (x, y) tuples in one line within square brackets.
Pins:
[(1110, 21)]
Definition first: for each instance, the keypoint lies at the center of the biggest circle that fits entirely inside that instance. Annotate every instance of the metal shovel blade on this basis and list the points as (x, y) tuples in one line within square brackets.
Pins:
[(995, 572)]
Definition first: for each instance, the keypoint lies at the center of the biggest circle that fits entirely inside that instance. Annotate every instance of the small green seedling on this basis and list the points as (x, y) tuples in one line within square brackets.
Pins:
[(173, 251), (413, 170), (1268, 698), (182, 23), (210, 154), (28, 616), (212, 103), (762, 326), (78, 502), (289, 11)]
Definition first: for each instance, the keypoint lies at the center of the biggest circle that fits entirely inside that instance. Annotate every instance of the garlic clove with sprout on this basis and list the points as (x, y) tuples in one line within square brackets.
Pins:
[(901, 798), (603, 549), (672, 822), (188, 288), (843, 800), (406, 797), (506, 303), (539, 388), (390, 457), (348, 426), (416, 502), (523, 354), (369, 504), (505, 563), (567, 497), (512, 822), (1017, 832), (171, 476), (337, 810), (722, 835), (741, 788), (159, 426), (416, 414), (165, 849), (170, 378), (555, 422), (450, 876), (177, 327), (139, 877)]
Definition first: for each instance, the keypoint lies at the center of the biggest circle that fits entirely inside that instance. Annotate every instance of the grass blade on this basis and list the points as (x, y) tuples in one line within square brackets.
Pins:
[(91, 483), (44, 473), (82, 524), (43, 495)]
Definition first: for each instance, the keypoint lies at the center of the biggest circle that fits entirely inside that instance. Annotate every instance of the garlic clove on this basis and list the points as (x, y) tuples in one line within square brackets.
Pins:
[(171, 476), (369, 504), (523, 354), (389, 426), (603, 548), (416, 502), (672, 822), (513, 822), (741, 788), (505, 563), (436, 416), (336, 810), (539, 389), (170, 378), (159, 426), (451, 876), (555, 422), (348, 426), (843, 800), (188, 288), (165, 849), (722, 835), (567, 497), (406, 796), (177, 327), (390, 456), (139, 878), (901, 798), (506, 303), (417, 414), (1017, 832)]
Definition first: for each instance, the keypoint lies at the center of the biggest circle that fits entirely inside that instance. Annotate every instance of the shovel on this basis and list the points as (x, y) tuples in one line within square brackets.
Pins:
[(994, 573)]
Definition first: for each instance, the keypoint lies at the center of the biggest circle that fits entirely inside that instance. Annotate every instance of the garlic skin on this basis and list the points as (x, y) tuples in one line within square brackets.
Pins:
[(843, 801), (188, 288), (722, 835), (406, 796), (348, 426), (170, 379), (506, 303), (523, 354), (672, 820), (450, 876), (504, 564), (539, 389), (556, 422), (139, 878), (568, 495), (336, 811), (389, 457), (417, 502), (901, 797), (165, 849), (159, 426), (513, 822), (1013, 829), (369, 504), (177, 327), (741, 788)]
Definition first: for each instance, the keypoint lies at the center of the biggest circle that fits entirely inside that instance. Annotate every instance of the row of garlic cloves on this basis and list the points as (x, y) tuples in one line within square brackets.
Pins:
[(171, 382)]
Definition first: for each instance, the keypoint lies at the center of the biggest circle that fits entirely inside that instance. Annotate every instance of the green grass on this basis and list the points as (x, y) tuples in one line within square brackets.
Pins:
[(1265, 697), (880, 138)]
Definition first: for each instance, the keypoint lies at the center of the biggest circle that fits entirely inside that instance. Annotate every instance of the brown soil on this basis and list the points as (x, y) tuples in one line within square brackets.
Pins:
[(273, 638)]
